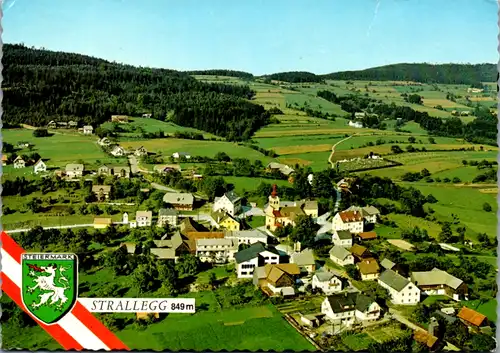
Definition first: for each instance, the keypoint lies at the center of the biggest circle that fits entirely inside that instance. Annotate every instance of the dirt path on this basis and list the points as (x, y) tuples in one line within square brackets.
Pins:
[(330, 159)]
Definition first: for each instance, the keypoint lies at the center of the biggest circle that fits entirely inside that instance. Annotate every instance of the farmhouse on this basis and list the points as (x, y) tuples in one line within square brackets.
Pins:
[(168, 216), (147, 115), (143, 218), (218, 250), (348, 220), (5, 160), (365, 236), (19, 163), (74, 170), (438, 282), (278, 216), (249, 237), (254, 256), (121, 171), (304, 260), (472, 318), (340, 256), (193, 237), (177, 155), (188, 225), (101, 223), (347, 308), (327, 282), (229, 222), (360, 253), (141, 151), (425, 338), (282, 168), (52, 124), (276, 279), (356, 124), (88, 130), (101, 192), (389, 265), (342, 238), (166, 168), (117, 151), (39, 167), (179, 201), (369, 213), (401, 290), (230, 202), (170, 249), (369, 269)]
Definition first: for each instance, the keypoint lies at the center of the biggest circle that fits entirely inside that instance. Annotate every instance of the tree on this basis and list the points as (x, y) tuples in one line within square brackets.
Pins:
[(415, 99), (432, 141), (412, 139), (481, 343), (34, 205), (214, 186), (431, 199), (425, 172), (461, 234), (352, 271), (487, 207), (304, 231), (456, 180), (396, 149), (188, 265), (446, 233), (212, 280), (145, 277), (40, 133)]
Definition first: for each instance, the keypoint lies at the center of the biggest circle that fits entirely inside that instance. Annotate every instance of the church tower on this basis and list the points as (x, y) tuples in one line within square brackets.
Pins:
[(274, 200)]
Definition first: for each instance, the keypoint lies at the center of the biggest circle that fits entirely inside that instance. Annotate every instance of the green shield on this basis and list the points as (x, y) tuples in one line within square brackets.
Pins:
[(49, 284)]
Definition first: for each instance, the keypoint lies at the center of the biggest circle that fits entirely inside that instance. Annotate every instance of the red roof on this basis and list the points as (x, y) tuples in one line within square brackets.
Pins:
[(351, 216), (277, 213), (367, 235), (471, 316)]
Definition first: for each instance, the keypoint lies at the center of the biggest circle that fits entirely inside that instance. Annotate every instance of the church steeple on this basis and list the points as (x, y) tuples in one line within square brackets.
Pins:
[(274, 200)]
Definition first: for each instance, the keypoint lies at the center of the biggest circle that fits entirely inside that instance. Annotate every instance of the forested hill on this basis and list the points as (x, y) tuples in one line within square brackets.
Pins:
[(294, 77), (425, 73), (42, 85), (222, 72)]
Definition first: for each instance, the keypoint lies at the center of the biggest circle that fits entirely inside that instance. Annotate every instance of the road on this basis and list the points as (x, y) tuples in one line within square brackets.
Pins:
[(162, 187), (330, 159)]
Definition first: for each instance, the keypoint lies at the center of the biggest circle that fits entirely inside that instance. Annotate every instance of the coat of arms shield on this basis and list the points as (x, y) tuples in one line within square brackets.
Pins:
[(49, 284)]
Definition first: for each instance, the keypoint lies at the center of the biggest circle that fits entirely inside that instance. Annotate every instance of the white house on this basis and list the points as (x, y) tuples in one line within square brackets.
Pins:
[(304, 260), (143, 218), (217, 250), (229, 202), (39, 167), (327, 282), (369, 213), (74, 170), (342, 238), (181, 154), (256, 255), (355, 124), (341, 256), (141, 151), (249, 237), (348, 308), (88, 130), (117, 151), (104, 141), (19, 162), (348, 220), (167, 216), (401, 290)]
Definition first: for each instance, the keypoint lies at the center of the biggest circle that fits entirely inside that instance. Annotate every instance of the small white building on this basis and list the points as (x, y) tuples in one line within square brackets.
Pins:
[(256, 255), (341, 256), (168, 216), (144, 218), (348, 220), (401, 290), (74, 170), (218, 250), (327, 282), (39, 167), (347, 308), (125, 218), (19, 163), (355, 124), (141, 151), (88, 130), (230, 203), (181, 154), (342, 238), (117, 151)]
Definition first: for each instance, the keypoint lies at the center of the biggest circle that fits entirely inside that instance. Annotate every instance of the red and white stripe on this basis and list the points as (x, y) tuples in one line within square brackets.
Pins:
[(79, 329)]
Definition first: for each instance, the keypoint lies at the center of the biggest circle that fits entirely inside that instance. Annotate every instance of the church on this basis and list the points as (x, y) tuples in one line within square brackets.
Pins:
[(280, 215)]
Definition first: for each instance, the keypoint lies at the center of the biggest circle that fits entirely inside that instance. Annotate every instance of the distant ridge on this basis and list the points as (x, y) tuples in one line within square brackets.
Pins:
[(425, 73), (222, 72)]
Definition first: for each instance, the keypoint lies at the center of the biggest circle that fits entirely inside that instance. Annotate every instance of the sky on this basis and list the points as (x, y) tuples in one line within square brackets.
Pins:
[(260, 36)]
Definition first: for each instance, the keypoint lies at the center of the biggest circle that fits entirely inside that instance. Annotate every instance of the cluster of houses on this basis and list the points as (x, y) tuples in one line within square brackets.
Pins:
[(86, 130), (19, 162)]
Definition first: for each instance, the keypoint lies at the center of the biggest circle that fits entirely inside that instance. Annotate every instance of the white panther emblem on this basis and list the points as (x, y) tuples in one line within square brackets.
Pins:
[(46, 283)]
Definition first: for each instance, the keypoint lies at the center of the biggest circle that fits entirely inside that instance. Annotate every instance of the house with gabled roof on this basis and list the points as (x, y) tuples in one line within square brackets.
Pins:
[(439, 282), (327, 281), (401, 290), (248, 237), (348, 220), (179, 200), (5, 160), (366, 236), (472, 318), (101, 192), (168, 216), (88, 130), (274, 278), (52, 124), (74, 170), (104, 141), (166, 168), (144, 218), (230, 222), (117, 151), (387, 264), (368, 269), (369, 213), (305, 260), (255, 255), (230, 202), (39, 167), (282, 168), (348, 308), (19, 163), (341, 256), (170, 249), (141, 151), (101, 223), (342, 238), (360, 253)]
